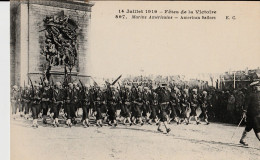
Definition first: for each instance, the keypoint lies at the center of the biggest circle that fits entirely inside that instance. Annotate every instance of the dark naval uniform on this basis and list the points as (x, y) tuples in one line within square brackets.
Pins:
[(112, 108), (204, 103), (99, 105), (194, 104), (71, 100), (26, 100), (36, 103), (154, 106), (126, 104), (58, 97), (253, 112), (164, 99), (146, 105), (45, 101), (174, 105), (14, 100), (184, 103), (85, 102), (138, 102)]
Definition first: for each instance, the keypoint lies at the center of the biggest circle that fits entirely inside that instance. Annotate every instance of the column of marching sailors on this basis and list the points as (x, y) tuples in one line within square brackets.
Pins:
[(136, 104)]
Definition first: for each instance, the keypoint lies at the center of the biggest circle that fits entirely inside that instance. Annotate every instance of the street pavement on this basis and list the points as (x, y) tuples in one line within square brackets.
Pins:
[(196, 142)]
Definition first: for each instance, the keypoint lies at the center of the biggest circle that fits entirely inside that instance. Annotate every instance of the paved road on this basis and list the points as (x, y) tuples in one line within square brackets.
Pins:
[(202, 142)]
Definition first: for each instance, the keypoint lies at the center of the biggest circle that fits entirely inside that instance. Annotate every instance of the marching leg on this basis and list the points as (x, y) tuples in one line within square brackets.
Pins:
[(166, 127), (242, 140), (124, 121), (196, 119), (257, 135), (129, 120), (159, 127)]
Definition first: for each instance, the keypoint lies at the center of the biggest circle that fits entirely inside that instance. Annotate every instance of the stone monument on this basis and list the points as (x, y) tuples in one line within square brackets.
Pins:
[(49, 40)]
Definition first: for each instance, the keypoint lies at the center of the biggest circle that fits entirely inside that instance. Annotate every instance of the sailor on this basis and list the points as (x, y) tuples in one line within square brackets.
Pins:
[(113, 101), (146, 109), (58, 97), (86, 100), (137, 104), (45, 101), (76, 102), (185, 106), (36, 103), (154, 108), (164, 99), (194, 105), (14, 100), (26, 101), (69, 98), (127, 105), (100, 102), (21, 103), (204, 103), (174, 105)]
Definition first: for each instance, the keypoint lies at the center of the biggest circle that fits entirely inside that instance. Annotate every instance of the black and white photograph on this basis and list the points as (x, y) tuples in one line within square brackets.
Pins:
[(134, 80)]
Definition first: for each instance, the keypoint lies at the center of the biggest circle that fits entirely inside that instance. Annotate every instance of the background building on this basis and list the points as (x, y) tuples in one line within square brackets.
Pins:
[(239, 79)]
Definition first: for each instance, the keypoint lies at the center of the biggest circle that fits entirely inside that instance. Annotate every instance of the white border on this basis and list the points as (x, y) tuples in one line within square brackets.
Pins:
[(5, 80)]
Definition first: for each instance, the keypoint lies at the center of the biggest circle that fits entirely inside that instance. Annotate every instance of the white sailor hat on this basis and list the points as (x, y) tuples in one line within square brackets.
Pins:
[(103, 88), (87, 85), (194, 90), (15, 87), (146, 88), (140, 87), (128, 87), (256, 83), (154, 87), (46, 81), (113, 87)]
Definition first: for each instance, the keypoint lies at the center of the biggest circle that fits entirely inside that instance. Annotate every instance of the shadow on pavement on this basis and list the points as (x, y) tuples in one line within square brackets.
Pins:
[(197, 141)]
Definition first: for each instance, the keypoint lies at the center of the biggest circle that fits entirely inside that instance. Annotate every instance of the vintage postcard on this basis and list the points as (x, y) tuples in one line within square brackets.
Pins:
[(134, 80)]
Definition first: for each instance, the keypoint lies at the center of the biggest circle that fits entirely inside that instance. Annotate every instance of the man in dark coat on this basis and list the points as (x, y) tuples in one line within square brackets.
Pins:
[(252, 112)]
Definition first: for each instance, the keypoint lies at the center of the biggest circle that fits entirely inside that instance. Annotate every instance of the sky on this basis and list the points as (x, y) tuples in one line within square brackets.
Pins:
[(171, 47)]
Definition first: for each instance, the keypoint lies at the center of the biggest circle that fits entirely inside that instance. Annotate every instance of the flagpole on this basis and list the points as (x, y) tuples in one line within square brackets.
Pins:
[(234, 80)]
